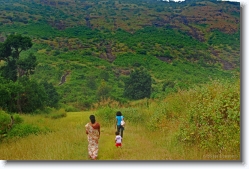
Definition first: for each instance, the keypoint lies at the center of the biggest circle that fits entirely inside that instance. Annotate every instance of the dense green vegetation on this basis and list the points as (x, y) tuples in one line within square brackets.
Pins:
[(206, 117), (172, 68), (213, 117), (198, 124), (19, 92), (98, 59), (138, 86)]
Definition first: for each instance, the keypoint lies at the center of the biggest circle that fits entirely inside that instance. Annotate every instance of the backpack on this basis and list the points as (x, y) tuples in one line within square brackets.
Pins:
[(123, 123)]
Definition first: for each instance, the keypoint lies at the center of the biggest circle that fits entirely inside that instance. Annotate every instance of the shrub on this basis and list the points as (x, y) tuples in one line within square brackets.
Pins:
[(22, 130), (106, 115), (213, 118), (168, 84), (103, 91), (133, 115), (17, 119), (84, 104), (71, 109), (57, 114), (46, 110), (4, 121)]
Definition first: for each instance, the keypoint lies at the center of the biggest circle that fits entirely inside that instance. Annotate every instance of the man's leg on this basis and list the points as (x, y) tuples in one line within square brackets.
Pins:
[(122, 129), (118, 128)]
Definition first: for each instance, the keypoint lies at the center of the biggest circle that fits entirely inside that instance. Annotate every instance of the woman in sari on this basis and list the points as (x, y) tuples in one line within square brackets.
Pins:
[(93, 134)]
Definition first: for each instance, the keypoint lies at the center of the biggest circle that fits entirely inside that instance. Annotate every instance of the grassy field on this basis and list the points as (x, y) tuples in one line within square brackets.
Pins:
[(198, 124), (67, 141), (193, 112)]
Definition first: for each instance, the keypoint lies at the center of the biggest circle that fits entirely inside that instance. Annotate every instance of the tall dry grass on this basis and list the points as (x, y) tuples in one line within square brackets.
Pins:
[(151, 132), (67, 141)]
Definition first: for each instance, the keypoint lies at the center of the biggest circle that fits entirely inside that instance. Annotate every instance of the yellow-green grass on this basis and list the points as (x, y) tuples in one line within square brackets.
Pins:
[(151, 137), (151, 133), (68, 141)]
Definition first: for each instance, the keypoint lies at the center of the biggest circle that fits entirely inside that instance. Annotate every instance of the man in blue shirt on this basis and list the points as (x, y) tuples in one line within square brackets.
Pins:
[(119, 118)]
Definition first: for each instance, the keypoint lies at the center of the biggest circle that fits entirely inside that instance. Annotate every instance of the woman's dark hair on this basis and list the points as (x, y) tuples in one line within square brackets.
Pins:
[(92, 118), (118, 113)]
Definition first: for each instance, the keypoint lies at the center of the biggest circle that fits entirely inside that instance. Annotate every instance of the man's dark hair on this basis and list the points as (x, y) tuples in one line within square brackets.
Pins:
[(118, 113)]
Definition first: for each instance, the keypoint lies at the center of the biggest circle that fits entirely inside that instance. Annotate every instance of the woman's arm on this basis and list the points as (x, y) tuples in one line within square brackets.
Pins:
[(86, 129)]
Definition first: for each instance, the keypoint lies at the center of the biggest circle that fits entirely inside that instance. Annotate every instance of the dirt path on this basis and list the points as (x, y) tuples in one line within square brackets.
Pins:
[(137, 145), (68, 141)]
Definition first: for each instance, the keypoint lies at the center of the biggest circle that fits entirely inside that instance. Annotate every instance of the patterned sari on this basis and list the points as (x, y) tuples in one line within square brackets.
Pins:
[(93, 138)]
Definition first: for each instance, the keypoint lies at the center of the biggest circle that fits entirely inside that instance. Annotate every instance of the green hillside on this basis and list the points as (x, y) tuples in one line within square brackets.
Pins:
[(171, 68), (98, 43)]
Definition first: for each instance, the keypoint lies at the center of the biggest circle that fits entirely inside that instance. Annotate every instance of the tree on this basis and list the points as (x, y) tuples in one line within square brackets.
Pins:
[(10, 52), (138, 85), (27, 65), (18, 92), (8, 92), (33, 97), (103, 91), (104, 75), (91, 82), (53, 96), (9, 71), (28, 93)]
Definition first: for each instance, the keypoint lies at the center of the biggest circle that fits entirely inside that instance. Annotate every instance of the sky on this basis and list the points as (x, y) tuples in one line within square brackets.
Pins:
[(191, 165)]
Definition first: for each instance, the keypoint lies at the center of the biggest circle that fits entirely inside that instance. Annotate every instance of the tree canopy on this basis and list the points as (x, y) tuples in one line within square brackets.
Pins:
[(17, 92), (10, 52), (138, 85)]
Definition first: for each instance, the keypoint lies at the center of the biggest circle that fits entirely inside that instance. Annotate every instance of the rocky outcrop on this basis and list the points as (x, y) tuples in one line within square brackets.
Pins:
[(227, 65), (164, 59), (63, 78), (119, 71), (58, 24), (107, 53), (197, 34), (88, 23), (2, 39)]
